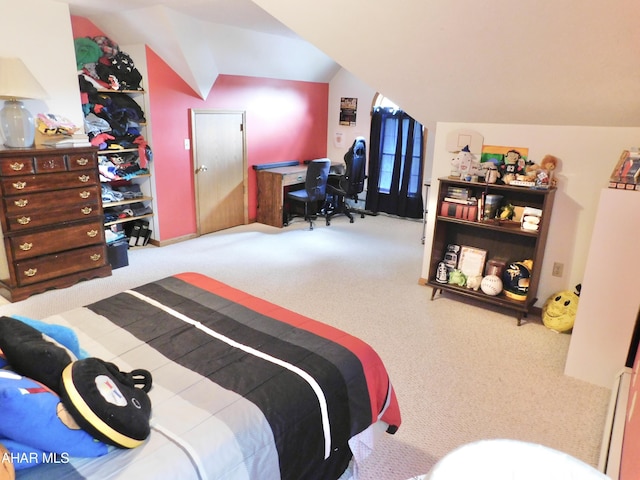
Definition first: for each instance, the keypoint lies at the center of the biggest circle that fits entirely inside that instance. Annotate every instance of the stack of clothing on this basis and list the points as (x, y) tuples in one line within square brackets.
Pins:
[(112, 119)]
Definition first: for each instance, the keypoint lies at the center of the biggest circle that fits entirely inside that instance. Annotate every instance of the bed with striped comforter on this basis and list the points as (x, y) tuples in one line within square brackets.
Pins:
[(242, 388)]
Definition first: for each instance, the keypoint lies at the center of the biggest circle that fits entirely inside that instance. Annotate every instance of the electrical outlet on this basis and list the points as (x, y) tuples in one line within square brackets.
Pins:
[(557, 269)]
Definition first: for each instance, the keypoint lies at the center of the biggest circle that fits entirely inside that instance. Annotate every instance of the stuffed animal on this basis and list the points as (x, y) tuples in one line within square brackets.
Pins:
[(34, 419), (456, 277), (507, 212), (559, 311), (531, 170), (549, 163), (61, 334), (33, 353), (111, 405), (512, 165), (473, 282), (465, 164)]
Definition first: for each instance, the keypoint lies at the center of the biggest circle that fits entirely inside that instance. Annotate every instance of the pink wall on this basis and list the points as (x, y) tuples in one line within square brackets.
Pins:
[(286, 120), (83, 27)]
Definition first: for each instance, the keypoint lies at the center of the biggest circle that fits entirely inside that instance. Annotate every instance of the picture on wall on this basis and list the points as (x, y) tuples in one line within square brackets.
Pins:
[(348, 108)]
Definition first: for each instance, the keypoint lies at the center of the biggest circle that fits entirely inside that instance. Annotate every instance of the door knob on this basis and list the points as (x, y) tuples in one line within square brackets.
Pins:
[(201, 168)]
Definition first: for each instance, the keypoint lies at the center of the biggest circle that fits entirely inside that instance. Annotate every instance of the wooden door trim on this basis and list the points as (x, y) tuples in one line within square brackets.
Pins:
[(194, 158)]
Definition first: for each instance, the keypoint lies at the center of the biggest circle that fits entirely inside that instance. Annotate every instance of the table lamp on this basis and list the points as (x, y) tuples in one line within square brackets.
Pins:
[(16, 122)]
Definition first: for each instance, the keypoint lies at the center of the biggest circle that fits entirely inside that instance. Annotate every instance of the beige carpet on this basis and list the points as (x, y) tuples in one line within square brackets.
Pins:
[(462, 372)]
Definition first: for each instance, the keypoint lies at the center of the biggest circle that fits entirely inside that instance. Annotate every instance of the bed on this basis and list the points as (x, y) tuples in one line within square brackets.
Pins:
[(242, 388)]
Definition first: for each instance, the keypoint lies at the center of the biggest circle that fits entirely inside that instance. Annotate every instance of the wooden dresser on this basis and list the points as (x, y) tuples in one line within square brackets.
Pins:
[(51, 219)]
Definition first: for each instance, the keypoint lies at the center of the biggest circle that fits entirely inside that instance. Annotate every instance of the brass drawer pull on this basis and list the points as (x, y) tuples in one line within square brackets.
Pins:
[(19, 185), (31, 272), (92, 233), (84, 178), (21, 202), (24, 220), (82, 161), (85, 194), (86, 210), (95, 257), (17, 166), (25, 247)]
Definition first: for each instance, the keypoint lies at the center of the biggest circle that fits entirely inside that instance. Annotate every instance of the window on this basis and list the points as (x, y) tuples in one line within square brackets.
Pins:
[(395, 161)]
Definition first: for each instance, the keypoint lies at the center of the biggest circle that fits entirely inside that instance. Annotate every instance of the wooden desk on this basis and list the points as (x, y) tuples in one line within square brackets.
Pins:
[(272, 186)]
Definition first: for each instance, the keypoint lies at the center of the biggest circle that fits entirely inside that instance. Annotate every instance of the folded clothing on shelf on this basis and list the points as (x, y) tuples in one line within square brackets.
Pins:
[(110, 195), (130, 191)]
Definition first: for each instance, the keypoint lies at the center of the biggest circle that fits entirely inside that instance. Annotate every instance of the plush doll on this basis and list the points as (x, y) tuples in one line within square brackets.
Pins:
[(34, 419), (531, 170), (512, 165), (61, 334), (465, 164), (507, 212), (473, 282), (549, 163), (111, 405), (559, 311), (456, 277), (32, 353)]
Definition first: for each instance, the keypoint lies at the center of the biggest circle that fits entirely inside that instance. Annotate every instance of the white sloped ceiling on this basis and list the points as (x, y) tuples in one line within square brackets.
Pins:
[(567, 62), (199, 50)]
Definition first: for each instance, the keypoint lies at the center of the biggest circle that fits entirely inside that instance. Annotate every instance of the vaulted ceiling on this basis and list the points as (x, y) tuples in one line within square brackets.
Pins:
[(567, 62)]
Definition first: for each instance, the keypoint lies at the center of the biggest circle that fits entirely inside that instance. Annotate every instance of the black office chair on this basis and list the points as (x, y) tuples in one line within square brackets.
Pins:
[(349, 185), (315, 189)]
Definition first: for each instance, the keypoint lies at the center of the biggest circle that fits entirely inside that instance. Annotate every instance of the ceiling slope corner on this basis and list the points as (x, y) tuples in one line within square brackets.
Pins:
[(172, 36), (190, 38)]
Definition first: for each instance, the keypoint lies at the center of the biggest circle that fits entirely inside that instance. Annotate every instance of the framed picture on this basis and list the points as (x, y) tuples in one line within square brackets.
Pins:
[(471, 261), (348, 109), (497, 154)]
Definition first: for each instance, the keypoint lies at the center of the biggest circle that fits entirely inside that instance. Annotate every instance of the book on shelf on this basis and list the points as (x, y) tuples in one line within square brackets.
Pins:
[(626, 173), (456, 210), (462, 201), (459, 192)]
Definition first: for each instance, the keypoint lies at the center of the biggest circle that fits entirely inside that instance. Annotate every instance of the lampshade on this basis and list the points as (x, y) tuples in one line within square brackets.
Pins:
[(16, 122)]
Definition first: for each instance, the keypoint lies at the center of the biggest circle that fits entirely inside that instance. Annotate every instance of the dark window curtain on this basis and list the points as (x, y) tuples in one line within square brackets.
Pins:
[(395, 164)]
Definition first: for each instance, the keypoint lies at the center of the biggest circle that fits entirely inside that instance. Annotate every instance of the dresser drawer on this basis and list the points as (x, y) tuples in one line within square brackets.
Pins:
[(17, 166), (53, 216), (39, 269), (23, 204), (51, 241), (49, 163), (80, 161), (37, 183)]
